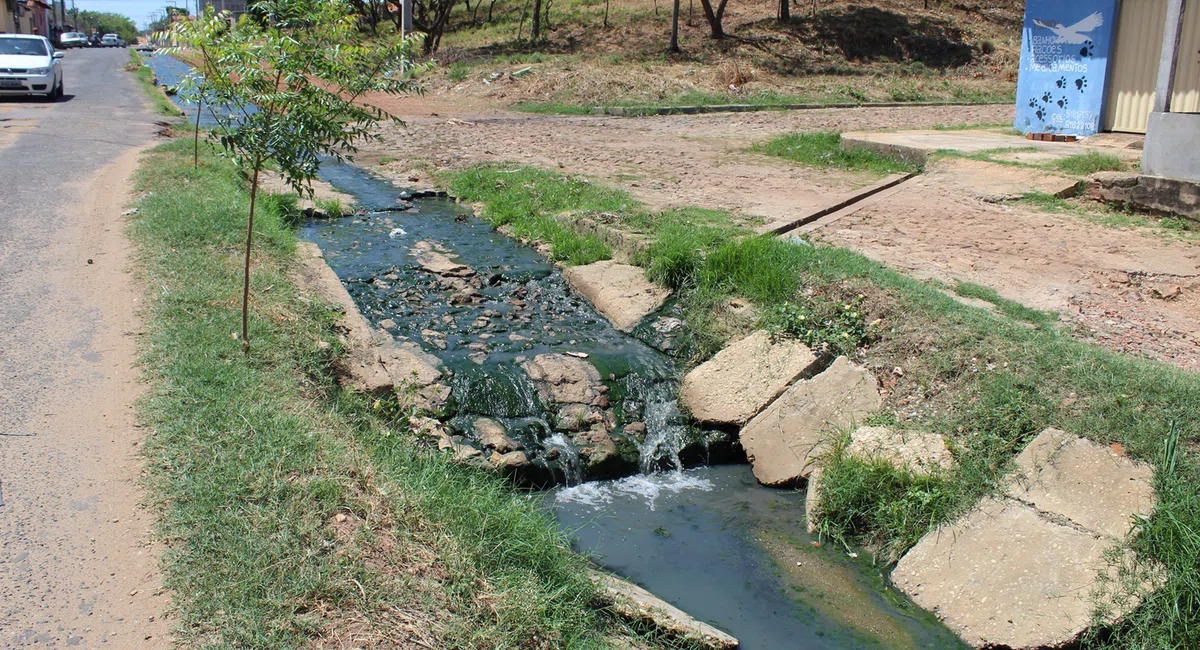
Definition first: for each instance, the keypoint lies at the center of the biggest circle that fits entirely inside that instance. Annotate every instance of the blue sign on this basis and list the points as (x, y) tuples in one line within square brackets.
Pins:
[(1065, 47)]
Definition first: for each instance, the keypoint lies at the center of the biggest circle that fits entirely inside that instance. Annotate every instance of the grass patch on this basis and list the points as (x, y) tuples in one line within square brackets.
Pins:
[(1012, 308), (823, 150), (552, 108), (1113, 216), (294, 511), (1085, 164), (527, 201), (145, 78), (985, 380)]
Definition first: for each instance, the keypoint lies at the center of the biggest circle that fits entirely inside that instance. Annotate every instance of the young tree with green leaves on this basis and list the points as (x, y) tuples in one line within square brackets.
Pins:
[(284, 85)]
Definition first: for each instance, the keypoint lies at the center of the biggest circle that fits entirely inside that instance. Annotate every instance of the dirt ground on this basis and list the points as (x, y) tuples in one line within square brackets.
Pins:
[(1126, 289)]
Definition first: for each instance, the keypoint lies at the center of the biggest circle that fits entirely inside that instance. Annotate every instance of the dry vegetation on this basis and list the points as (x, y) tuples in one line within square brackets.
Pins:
[(891, 50)]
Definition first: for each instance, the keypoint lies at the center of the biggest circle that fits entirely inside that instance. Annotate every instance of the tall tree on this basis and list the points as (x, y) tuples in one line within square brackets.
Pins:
[(785, 11), (293, 73), (109, 23)]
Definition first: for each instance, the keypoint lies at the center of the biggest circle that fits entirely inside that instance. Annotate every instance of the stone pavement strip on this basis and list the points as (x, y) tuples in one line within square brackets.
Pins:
[(1020, 570)]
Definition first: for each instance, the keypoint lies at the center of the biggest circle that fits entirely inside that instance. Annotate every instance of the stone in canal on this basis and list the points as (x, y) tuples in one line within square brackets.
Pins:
[(509, 462), (439, 263), (619, 291), (490, 433), (742, 379), (783, 441), (561, 379), (1021, 570)]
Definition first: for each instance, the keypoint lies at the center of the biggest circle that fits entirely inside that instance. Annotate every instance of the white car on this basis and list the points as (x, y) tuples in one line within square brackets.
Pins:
[(30, 66), (110, 40)]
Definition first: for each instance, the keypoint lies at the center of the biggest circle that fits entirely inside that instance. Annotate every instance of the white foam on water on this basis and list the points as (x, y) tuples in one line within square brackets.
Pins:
[(643, 487)]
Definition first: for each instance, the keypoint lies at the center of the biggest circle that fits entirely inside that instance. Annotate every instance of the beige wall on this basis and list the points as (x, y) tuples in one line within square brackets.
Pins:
[(1134, 72)]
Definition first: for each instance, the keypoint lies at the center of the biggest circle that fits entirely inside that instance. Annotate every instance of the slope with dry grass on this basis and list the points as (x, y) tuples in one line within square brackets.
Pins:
[(615, 53)]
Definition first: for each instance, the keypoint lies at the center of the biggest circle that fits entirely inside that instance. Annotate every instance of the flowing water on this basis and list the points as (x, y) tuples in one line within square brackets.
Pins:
[(709, 539), (524, 308)]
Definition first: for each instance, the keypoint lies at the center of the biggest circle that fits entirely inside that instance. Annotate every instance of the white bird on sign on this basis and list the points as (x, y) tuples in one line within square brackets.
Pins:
[(1076, 33)]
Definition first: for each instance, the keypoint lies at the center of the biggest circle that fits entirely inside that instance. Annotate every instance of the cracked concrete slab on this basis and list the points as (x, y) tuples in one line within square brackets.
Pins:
[(1023, 570), (742, 379)]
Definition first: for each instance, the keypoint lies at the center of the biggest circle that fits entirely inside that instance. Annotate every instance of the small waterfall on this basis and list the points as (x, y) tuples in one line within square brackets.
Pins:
[(665, 437), (568, 458)]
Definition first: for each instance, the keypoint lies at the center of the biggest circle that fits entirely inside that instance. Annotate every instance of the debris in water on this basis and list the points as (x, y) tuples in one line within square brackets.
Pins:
[(396, 232), (577, 355)]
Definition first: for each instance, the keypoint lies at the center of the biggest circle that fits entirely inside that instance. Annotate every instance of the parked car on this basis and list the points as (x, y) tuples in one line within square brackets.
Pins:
[(72, 39), (110, 40), (30, 66)]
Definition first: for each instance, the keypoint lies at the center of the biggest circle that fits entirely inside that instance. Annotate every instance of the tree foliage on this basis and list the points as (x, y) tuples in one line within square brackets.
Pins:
[(282, 84), (108, 23)]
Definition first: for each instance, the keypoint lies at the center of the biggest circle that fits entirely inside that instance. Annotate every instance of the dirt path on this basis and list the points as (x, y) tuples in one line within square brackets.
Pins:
[(78, 568), (75, 567), (1127, 289), (1118, 285), (664, 161)]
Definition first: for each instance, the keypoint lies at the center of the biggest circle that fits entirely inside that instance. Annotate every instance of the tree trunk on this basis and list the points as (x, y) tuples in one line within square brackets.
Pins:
[(714, 18), (785, 11), (196, 136), (605, 14), (249, 244), (675, 28), (535, 23)]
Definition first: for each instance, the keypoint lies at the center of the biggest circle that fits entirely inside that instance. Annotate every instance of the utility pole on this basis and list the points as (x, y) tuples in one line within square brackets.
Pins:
[(406, 21)]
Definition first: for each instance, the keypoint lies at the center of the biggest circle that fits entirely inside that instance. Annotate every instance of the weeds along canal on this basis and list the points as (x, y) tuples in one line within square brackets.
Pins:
[(658, 501), (674, 508)]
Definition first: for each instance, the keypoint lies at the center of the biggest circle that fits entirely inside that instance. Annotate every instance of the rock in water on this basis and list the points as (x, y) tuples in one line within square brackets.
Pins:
[(783, 441), (561, 379), (490, 433), (742, 379), (1020, 570), (619, 291), (438, 263)]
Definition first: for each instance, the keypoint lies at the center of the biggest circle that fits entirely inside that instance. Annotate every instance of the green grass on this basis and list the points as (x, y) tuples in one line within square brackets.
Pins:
[(1085, 164), (843, 94), (1013, 309), (552, 108), (145, 79), (527, 201), (986, 380), (251, 458), (1114, 216), (823, 150)]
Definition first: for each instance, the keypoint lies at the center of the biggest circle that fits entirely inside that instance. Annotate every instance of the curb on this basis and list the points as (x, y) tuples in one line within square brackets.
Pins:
[(633, 111)]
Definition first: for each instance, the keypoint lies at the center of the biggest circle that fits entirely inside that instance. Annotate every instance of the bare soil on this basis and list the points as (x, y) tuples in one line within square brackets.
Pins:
[(1130, 289), (79, 566)]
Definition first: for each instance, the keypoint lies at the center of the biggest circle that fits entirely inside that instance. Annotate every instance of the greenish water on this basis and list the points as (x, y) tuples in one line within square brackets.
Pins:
[(709, 539)]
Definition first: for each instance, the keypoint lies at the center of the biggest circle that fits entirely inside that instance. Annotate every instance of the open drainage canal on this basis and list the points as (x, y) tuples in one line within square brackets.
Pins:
[(638, 487)]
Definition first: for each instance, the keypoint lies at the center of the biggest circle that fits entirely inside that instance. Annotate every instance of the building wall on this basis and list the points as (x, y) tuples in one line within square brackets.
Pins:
[(1135, 65), (1065, 48)]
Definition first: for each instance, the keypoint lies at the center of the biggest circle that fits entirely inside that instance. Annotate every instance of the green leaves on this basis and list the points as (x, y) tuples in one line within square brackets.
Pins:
[(285, 82)]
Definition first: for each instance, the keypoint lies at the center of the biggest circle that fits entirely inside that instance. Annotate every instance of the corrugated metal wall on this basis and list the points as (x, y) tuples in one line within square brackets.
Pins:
[(1135, 64)]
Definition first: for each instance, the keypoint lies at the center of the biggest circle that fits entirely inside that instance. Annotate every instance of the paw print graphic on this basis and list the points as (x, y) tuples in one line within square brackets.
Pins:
[(1081, 83), (1061, 83), (1033, 103), (1087, 50), (1062, 102), (1046, 98), (1041, 114)]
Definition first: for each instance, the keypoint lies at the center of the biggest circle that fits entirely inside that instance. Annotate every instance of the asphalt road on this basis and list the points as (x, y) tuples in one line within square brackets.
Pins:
[(75, 570)]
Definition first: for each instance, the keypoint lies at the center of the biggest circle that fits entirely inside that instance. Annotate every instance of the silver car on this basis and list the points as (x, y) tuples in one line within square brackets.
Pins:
[(30, 66)]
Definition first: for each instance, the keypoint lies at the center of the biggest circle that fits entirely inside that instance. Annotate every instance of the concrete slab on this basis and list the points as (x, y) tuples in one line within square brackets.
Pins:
[(619, 291), (1023, 570), (742, 379), (784, 441), (994, 182), (1083, 481), (1003, 576)]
